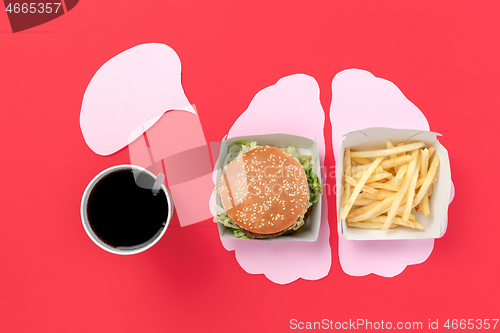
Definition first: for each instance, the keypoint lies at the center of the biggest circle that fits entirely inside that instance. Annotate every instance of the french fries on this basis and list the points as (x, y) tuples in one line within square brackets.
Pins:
[(348, 173), (381, 193), (359, 186), (389, 151)]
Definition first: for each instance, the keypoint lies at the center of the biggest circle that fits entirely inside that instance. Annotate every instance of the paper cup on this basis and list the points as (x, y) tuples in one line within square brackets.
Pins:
[(149, 178)]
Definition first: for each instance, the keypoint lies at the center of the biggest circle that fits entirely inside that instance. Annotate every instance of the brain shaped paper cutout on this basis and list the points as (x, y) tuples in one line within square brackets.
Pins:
[(361, 100), (276, 109), (128, 94), (125, 104)]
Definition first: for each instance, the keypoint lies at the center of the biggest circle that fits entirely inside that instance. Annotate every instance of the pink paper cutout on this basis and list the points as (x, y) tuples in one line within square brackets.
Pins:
[(290, 106), (190, 190), (128, 94), (178, 139), (361, 100), (452, 195), (139, 155)]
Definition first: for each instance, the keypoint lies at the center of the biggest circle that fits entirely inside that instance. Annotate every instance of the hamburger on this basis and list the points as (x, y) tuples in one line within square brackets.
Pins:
[(266, 191)]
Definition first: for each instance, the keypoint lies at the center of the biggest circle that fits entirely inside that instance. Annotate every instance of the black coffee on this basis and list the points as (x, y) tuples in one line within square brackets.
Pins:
[(123, 214)]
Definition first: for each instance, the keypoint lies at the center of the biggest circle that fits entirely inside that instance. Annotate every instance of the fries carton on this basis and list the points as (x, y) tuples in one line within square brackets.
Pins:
[(310, 230), (375, 138)]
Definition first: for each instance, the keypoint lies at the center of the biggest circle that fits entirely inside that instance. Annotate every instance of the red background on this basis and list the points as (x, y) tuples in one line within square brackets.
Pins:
[(442, 55)]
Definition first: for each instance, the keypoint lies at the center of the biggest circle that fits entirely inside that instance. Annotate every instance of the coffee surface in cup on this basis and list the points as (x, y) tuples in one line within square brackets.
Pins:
[(123, 214)]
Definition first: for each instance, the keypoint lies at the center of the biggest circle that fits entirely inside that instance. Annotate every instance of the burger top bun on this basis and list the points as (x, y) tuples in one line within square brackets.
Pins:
[(264, 191)]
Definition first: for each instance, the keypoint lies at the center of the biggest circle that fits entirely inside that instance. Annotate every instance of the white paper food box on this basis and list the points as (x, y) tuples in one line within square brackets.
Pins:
[(375, 138), (310, 230)]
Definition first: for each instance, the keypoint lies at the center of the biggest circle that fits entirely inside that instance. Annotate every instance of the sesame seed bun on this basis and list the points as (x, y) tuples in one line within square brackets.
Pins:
[(264, 191)]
